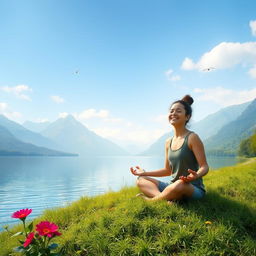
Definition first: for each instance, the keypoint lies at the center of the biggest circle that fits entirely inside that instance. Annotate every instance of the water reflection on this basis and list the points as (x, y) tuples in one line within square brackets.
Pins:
[(45, 182)]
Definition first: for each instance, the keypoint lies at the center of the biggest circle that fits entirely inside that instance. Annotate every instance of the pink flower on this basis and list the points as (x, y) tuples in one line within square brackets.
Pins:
[(29, 239), (46, 228), (56, 233), (21, 214)]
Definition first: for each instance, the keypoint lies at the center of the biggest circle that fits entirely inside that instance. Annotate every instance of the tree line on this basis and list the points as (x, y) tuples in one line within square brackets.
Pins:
[(247, 146)]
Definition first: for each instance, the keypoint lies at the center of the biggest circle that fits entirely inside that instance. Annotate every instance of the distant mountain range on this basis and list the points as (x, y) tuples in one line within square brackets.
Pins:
[(221, 132), (11, 146), (75, 137), (213, 123), (25, 135), (228, 138), (35, 127), (65, 134)]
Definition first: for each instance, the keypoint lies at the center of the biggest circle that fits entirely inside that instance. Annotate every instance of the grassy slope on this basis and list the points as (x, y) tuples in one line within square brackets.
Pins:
[(117, 223)]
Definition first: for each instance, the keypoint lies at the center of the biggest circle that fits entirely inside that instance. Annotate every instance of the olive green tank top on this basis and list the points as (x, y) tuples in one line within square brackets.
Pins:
[(181, 160)]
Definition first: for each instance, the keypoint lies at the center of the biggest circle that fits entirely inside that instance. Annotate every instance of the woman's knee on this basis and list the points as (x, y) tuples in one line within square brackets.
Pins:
[(140, 181), (183, 188), (178, 186)]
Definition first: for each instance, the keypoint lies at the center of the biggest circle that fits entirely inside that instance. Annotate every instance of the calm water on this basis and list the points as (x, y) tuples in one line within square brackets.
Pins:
[(46, 182)]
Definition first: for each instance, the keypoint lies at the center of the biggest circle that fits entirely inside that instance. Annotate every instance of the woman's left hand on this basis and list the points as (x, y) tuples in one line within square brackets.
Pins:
[(192, 176), (137, 171)]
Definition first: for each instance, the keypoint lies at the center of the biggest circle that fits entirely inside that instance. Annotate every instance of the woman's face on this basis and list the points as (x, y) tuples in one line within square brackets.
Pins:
[(177, 115)]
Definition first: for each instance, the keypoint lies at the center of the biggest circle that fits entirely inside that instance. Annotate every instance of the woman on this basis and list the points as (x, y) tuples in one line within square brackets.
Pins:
[(185, 161)]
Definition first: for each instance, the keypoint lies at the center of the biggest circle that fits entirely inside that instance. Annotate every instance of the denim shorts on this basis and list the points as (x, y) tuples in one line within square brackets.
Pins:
[(197, 194)]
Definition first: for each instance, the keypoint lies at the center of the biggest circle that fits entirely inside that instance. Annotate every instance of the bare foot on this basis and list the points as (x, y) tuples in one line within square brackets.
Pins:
[(143, 196)]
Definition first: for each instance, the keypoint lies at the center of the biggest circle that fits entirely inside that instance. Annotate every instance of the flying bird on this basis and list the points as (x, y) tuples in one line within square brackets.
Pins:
[(208, 69)]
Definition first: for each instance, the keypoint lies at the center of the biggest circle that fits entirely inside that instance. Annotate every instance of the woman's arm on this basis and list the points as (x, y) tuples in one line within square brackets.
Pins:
[(166, 171), (197, 147)]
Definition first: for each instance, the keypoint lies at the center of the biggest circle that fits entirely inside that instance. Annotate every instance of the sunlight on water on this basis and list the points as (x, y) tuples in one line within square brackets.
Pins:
[(40, 182)]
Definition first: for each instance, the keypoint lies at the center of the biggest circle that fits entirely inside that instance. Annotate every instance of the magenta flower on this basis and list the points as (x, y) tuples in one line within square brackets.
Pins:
[(29, 239), (46, 228), (33, 241), (21, 214), (56, 233)]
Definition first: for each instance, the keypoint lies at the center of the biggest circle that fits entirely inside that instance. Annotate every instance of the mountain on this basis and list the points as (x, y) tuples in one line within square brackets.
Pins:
[(11, 146), (205, 128), (157, 148), (75, 137), (35, 127), (227, 140), (210, 125), (26, 135)]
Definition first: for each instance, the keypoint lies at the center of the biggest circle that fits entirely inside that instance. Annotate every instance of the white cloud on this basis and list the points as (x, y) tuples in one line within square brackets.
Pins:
[(6, 111), (198, 90), (107, 132), (3, 106), (63, 115), (91, 113), (171, 76), (224, 55), (161, 118), (188, 64), (253, 27), (118, 129), (18, 91), (113, 120), (57, 99), (175, 78), (143, 136), (136, 136), (129, 124), (252, 71), (41, 120), (225, 97)]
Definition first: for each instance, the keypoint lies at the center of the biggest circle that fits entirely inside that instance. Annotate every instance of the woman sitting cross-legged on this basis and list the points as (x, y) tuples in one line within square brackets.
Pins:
[(185, 161)]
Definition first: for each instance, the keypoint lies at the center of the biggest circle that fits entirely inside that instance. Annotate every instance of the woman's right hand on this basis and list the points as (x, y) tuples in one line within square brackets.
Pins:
[(137, 171)]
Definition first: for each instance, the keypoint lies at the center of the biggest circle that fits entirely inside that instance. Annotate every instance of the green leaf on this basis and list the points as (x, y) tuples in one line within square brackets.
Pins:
[(53, 246), (21, 242), (30, 227), (33, 254), (17, 234), (6, 227)]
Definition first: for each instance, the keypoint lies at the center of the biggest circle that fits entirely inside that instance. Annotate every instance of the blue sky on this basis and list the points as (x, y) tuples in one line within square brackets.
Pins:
[(117, 65)]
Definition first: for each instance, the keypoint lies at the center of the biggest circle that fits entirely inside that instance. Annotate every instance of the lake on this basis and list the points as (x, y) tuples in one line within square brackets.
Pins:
[(46, 182)]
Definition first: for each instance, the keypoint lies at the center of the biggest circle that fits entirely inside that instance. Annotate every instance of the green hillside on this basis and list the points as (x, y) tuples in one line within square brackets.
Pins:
[(213, 123), (247, 147), (227, 140), (118, 223)]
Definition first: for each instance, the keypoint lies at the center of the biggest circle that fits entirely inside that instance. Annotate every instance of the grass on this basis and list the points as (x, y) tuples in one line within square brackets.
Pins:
[(118, 223)]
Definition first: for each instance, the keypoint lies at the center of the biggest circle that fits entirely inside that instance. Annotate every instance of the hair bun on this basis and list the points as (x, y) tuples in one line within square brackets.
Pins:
[(188, 99)]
